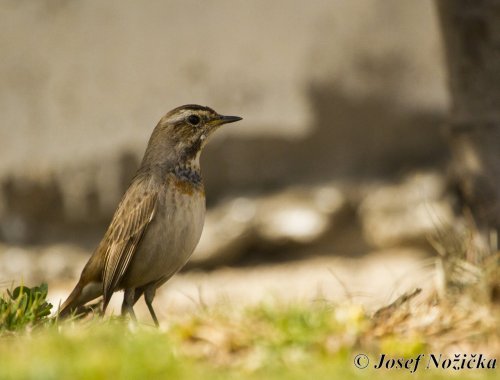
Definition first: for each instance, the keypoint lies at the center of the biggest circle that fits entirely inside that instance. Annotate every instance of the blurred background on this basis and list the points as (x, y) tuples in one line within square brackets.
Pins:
[(334, 184)]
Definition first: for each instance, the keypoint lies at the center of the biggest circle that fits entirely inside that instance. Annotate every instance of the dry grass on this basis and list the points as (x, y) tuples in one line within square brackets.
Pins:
[(272, 340)]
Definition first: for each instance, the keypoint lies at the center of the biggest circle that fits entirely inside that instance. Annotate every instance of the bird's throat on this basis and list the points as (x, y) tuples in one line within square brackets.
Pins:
[(189, 172)]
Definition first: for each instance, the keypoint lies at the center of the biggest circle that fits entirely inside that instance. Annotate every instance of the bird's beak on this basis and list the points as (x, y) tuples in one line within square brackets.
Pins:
[(229, 119)]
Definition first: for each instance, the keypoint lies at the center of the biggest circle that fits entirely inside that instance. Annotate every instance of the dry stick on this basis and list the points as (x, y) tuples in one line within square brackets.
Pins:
[(386, 311)]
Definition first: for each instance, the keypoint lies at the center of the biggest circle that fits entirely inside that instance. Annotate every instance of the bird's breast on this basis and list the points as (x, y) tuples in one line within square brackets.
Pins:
[(182, 214), (172, 235), (179, 221), (186, 187)]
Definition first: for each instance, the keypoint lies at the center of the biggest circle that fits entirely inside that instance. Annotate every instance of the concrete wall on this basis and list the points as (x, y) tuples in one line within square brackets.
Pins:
[(327, 89)]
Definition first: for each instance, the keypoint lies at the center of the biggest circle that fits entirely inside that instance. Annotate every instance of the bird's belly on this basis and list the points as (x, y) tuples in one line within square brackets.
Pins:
[(169, 240)]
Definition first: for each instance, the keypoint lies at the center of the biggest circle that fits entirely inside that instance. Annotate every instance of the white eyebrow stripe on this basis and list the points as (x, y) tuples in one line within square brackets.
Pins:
[(181, 115)]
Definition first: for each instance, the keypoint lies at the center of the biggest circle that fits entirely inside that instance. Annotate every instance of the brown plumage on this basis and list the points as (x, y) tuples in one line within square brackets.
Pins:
[(159, 220)]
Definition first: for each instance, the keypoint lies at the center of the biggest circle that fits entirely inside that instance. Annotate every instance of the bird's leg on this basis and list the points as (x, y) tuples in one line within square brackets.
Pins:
[(138, 293), (128, 303), (149, 295)]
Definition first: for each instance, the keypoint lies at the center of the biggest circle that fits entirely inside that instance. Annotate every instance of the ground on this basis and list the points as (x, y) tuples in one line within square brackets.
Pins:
[(373, 281), (306, 317)]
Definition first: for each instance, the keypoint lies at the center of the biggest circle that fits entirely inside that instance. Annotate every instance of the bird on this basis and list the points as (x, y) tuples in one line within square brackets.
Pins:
[(159, 220)]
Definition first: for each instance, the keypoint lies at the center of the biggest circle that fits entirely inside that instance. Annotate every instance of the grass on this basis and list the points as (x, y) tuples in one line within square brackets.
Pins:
[(23, 307), (270, 341)]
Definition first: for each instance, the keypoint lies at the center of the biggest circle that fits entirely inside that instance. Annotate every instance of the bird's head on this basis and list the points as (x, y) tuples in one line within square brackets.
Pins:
[(183, 132)]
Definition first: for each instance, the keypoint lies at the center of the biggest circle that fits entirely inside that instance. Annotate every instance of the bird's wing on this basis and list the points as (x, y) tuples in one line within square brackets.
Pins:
[(131, 219)]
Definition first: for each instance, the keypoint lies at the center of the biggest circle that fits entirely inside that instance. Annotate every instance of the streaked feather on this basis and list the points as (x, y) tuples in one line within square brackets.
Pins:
[(131, 219)]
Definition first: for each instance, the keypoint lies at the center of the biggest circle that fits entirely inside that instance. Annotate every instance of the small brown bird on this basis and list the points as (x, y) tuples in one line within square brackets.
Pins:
[(159, 220)]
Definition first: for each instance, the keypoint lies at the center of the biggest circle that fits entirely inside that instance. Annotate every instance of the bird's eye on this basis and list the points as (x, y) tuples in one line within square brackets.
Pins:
[(193, 120)]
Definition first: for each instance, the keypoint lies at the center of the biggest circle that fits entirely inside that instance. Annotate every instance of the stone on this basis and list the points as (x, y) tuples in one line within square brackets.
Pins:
[(406, 213)]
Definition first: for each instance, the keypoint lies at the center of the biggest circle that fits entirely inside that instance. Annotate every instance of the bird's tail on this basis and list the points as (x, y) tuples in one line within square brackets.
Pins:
[(80, 295), (70, 304)]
